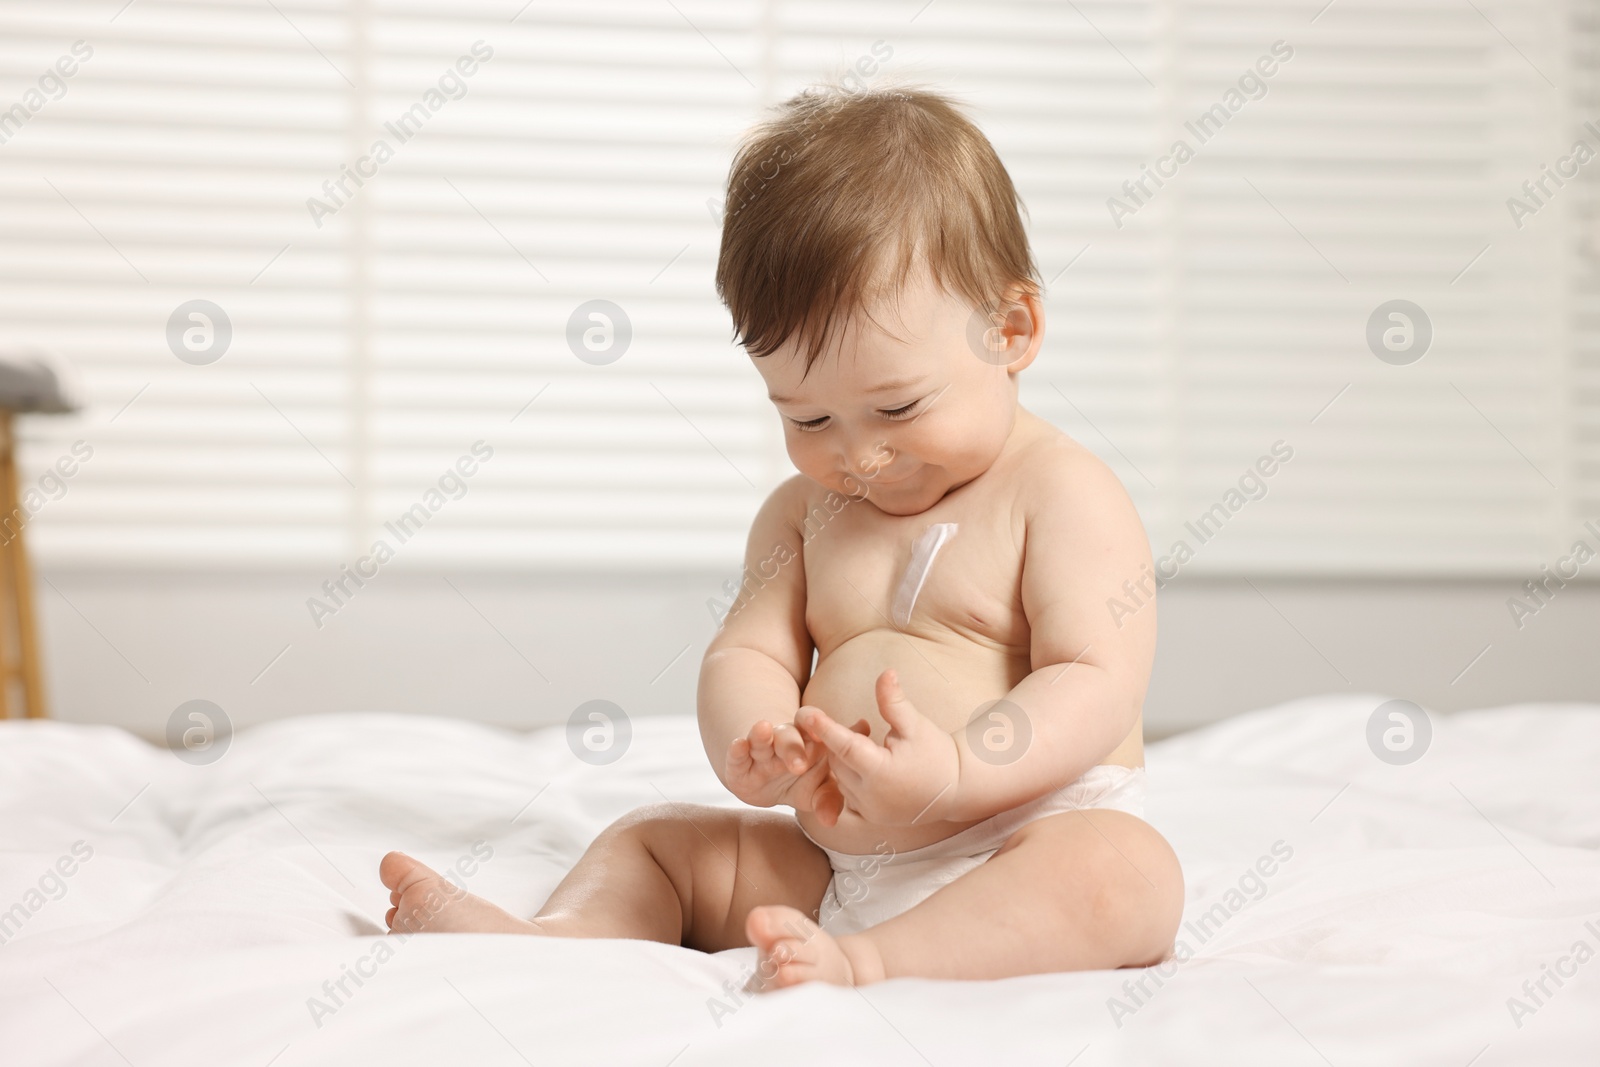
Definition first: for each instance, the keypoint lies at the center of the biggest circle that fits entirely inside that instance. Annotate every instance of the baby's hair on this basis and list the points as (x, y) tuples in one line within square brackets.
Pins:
[(838, 198)]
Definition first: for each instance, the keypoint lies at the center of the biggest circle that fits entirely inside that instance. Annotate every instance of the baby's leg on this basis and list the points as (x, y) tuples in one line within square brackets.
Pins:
[(660, 873), (1082, 890)]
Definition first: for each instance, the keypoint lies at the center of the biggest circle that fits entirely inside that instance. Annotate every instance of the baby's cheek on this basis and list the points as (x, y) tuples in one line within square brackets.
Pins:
[(807, 457)]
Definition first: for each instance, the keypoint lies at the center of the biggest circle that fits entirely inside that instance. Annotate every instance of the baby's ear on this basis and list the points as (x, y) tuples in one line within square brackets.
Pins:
[(1024, 327)]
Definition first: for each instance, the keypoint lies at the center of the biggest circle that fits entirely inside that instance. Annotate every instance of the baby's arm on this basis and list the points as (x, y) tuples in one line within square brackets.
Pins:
[(754, 670), (1084, 540)]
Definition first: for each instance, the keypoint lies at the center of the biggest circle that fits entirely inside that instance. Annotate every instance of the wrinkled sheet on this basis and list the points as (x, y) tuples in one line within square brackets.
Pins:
[(219, 906)]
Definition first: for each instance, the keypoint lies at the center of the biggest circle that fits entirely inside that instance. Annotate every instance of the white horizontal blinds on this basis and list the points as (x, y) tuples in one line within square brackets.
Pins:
[(1376, 167), (575, 164), (579, 165), (1583, 251), (174, 167), (1215, 313), (1071, 117)]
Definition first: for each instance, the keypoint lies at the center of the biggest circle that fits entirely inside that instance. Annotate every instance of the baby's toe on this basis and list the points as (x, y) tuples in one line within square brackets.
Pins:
[(769, 924), (793, 949), (793, 972), (397, 869)]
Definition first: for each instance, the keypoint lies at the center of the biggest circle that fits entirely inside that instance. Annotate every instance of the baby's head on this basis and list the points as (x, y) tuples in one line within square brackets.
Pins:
[(878, 273)]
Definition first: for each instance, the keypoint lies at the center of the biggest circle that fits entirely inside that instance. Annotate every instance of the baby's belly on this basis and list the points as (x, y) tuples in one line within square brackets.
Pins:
[(947, 678)]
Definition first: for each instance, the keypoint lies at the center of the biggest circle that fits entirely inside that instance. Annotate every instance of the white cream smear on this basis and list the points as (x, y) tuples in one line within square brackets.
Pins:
[(923, 550)]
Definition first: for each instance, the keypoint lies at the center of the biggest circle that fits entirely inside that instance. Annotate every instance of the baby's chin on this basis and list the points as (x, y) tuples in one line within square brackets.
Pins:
[(901, 511), (911, 497)]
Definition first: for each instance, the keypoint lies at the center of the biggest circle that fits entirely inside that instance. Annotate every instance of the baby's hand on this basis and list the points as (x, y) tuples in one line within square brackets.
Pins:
[(901, 781), (778, 765)]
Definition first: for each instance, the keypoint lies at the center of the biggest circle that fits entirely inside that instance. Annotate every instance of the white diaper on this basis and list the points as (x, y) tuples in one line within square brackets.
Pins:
[(869, 889)]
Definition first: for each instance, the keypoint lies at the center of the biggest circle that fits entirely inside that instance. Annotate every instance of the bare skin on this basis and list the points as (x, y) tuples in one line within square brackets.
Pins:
[(891, 433)]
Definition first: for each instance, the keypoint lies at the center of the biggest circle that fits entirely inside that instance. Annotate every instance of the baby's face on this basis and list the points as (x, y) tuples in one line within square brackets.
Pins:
[(909, 417)]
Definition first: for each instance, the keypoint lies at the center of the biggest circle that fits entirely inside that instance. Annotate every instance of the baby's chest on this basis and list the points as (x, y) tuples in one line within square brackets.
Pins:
[(916, 574)]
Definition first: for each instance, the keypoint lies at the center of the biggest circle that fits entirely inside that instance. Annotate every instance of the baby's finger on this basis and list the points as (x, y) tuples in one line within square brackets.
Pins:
[(810, 792), (761, 741), (861, 726), (789, 745), (802, 717), (897, 710), (814, 791), (828, 803), (852, 791), (739, 756), (845, 746), (815, 750), (802, 791)]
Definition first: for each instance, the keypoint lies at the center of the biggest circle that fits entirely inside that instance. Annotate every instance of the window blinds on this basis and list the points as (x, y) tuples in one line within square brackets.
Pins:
[(1583, 252), (393, 311)]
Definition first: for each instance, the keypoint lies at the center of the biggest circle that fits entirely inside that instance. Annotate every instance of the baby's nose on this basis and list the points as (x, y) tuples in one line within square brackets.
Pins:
[(869, 460)]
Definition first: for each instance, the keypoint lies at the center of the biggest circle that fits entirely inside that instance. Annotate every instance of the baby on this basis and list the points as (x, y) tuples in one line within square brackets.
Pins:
[(920, 662)]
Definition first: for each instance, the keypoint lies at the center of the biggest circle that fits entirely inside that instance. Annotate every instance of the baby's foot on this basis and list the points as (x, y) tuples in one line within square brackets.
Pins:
[(792, 949), (425, 902)]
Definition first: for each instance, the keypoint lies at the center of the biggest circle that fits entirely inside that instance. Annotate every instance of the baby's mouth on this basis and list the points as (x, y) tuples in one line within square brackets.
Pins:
[(881, 480)]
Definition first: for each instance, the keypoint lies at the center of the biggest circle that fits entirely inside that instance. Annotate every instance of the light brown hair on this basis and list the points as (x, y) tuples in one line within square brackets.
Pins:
[(836, 200)]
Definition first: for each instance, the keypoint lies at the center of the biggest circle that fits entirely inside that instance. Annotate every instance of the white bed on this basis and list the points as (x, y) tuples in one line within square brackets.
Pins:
[(215, 905)]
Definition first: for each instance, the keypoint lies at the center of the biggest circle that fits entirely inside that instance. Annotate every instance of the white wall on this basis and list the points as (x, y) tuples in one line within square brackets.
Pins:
[(129, 648)]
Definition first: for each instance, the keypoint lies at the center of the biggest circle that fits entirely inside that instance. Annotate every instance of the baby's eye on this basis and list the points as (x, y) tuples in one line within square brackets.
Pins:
[(901, 413), (810, 425)]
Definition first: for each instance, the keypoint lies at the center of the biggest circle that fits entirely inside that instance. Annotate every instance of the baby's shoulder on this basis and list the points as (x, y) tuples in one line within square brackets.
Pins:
[(1053, 471), (796, 501)]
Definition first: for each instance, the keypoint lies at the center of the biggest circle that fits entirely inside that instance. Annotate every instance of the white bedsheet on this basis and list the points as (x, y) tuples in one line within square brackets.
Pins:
[(218, 900)]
